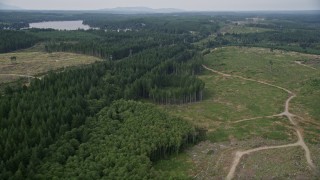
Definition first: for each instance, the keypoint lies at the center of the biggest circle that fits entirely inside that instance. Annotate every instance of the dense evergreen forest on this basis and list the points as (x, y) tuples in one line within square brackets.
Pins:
[(62, 102), (87, 122), (51, 123)]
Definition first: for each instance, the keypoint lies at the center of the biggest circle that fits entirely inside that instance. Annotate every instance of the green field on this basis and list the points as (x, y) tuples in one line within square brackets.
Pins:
[(229, 99)]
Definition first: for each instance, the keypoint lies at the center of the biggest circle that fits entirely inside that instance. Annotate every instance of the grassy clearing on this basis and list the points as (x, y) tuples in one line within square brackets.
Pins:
[(36, 63), (276, 67), (228, 100), (255, 63)]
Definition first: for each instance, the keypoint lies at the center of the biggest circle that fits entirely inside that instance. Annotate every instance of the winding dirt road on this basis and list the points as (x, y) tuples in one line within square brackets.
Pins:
[(286, 113)]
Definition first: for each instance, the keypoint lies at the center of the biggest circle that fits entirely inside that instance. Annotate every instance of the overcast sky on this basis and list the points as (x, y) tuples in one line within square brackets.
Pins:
[(217, 5)]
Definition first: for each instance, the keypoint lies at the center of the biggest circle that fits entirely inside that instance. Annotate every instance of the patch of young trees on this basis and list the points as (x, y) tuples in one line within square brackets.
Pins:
[(122, 142)]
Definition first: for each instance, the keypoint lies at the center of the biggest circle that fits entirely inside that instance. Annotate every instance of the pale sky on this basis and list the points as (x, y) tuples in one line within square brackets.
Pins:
[(202, 5)]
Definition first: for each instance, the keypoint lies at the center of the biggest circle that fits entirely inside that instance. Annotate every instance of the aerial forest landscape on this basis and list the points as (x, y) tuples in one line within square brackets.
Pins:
[(159, 89)]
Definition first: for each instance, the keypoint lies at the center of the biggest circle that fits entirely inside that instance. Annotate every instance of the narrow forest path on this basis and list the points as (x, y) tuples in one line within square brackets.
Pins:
[(254, 118), (300, 63), (286, 113)]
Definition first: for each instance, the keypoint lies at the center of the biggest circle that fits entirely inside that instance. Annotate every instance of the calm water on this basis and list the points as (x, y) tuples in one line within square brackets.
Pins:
[(60, 25)]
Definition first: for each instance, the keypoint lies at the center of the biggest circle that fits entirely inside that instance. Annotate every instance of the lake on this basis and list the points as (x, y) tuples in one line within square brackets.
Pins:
[(60, 25)]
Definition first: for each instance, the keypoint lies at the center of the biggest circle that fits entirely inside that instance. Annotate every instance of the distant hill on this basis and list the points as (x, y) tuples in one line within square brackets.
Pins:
[(8, 7), (140, 10)]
